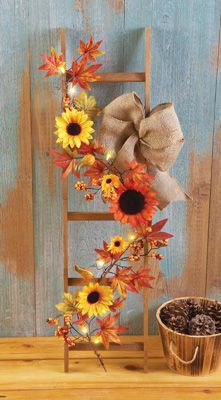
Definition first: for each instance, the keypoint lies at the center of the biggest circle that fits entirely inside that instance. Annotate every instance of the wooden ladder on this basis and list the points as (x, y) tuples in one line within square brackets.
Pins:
[(129, 344)]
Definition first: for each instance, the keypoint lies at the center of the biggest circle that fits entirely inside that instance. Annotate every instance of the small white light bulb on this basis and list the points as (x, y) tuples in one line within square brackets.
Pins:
[(72, 90), (100, 263), (110, 155), (84, 329), (131, 237), (62, 70)]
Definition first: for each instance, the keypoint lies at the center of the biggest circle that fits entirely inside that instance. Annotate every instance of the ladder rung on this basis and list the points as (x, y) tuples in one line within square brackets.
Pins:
[(125, 346), (81, 281), (122, 77), (90, 216), (119, 77)]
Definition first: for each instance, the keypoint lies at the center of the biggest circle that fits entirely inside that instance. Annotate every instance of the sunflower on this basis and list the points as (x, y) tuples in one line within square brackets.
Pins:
[(117, 245), (134, 205), (94, 299), (109, 183), (73, 128)]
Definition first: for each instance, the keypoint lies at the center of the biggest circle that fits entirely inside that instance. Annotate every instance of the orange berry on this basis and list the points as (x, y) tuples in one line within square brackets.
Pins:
[(89, 196), (80, 185), (140, 243), (134, 257), (153, 254)]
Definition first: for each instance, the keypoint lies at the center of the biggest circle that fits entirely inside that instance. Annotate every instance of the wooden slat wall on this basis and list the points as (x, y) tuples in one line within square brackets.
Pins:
[(185, 37), (213, 282), (17, 285), (186, 64)]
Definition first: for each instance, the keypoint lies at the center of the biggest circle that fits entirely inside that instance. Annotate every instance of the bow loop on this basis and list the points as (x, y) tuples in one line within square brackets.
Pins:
[(155, 140), (161, 136), (128, 108)]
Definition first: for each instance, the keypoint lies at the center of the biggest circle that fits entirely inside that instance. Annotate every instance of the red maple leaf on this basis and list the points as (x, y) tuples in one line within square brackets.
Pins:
[(156, 233), (81, 74), (91, 148), (95, 171), (66, 162), (89, 49), (153, 232), (109, 330), (141, 278), (54, 64), (123, 281)]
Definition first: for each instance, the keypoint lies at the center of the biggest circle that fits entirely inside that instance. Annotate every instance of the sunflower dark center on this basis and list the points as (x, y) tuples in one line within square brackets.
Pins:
[(117, 243), (93, 297), (109, 180), (73, 129), (131, 202)]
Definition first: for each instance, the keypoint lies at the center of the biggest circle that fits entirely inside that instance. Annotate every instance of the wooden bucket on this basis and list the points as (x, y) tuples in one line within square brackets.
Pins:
[(187, 354)]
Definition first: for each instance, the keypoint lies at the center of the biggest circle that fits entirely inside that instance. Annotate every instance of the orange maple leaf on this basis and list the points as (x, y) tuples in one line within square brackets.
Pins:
[(118, 303), (123, 281), (109, 330), (137, 174), (89, 49), (66, 162), (80, 320), (105, 255), (81, 74), (54, 64), (141, 278)]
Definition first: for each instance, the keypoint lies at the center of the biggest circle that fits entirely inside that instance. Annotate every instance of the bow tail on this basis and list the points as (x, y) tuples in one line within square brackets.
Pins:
[(167, 188)]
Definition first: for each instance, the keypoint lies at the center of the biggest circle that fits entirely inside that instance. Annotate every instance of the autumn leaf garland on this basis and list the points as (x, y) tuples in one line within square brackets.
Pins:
[(92, 313)]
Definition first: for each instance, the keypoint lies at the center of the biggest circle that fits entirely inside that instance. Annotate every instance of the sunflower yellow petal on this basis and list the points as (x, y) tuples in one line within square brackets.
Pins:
[(88, 123), (77, 142)]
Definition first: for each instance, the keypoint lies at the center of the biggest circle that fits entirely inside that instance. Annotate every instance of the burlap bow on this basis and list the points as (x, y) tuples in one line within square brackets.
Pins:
[(155, 141)]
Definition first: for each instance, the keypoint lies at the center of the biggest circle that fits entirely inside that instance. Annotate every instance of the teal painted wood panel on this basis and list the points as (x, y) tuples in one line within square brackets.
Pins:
[(45, 19), (181, 53), (214, 256), (136, 19), (184, 35), (184, 55), (17, 305)]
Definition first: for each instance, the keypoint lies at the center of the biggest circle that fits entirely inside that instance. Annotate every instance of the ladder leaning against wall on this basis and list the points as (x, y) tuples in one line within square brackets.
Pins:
[(140, 343)]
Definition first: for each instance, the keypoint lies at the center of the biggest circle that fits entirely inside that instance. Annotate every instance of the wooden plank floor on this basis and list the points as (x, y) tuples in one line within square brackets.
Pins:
[(32, 368)]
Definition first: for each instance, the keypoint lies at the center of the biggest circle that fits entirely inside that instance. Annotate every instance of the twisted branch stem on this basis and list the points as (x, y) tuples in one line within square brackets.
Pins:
[(100, 359)]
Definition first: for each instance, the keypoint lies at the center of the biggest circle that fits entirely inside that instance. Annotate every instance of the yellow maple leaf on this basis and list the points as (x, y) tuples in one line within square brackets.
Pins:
[(84, 272), (69, 304), (87, 104)]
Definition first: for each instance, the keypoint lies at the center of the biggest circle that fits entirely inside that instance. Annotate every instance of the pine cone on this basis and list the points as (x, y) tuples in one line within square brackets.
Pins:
[(194, 307), (202, 325), (174, 309), (178, 324), (214, 311)]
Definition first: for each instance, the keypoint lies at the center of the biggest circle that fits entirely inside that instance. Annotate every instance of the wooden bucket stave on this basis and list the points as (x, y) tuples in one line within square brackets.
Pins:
[(188, 354)]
